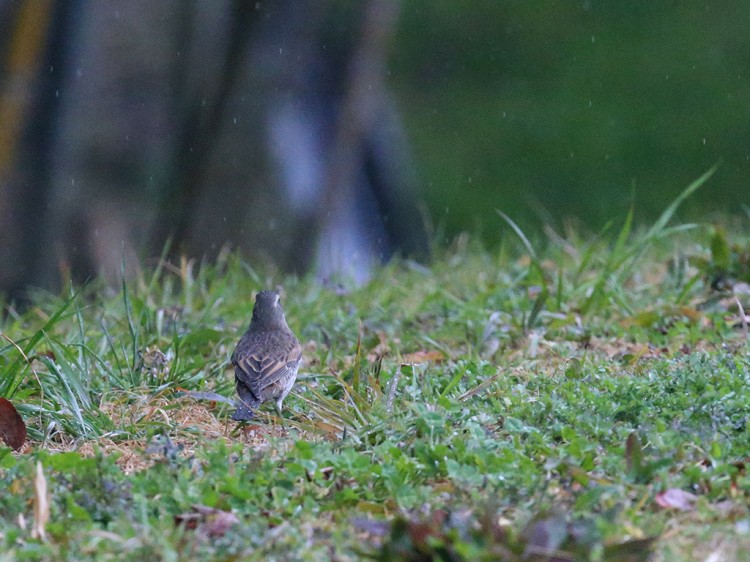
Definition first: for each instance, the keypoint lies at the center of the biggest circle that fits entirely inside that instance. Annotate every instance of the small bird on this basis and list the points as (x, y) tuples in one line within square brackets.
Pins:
[(266, 358)]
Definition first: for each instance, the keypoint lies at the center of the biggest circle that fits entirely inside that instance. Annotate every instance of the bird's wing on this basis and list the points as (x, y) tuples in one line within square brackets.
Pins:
[(258, 369)]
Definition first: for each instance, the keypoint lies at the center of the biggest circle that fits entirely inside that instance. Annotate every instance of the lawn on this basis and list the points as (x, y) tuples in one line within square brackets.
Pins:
[(569, 397)]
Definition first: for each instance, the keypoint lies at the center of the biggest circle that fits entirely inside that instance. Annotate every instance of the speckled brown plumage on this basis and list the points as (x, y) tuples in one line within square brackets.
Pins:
[(266, 358)]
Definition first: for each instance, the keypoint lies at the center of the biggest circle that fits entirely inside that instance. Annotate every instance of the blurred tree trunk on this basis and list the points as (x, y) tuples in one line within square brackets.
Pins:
[(34, 47), (363, 164), (201, 121)]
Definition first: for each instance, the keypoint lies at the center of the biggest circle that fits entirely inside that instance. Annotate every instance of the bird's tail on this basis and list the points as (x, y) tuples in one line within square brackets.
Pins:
[(246, 405), (243, 413)]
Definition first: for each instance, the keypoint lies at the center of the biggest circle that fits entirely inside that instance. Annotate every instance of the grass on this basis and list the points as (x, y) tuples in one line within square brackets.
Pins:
[(536, 399)]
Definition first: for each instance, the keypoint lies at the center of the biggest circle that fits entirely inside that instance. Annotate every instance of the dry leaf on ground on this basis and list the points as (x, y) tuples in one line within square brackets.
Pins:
[(12, 427)]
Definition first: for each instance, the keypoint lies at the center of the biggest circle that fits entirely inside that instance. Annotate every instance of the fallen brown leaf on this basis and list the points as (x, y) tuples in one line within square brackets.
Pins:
[(208, 522), (416, 357), (12, 427), (674, 498)]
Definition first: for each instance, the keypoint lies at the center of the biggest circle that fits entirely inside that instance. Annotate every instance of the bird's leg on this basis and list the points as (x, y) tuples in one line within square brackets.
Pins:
[(277, 407)]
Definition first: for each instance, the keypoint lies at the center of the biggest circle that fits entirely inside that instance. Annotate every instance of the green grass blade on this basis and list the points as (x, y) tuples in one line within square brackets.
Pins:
[(519, 233), (667, 214), (454, 381), (15, 373)]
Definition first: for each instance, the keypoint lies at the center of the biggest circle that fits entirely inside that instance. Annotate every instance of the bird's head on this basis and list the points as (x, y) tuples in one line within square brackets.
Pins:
[(267, 312)]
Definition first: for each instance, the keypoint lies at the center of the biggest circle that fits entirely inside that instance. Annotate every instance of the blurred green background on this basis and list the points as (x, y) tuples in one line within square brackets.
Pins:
[(308, 134), (555, 110)]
